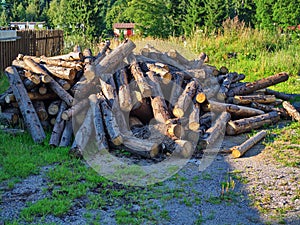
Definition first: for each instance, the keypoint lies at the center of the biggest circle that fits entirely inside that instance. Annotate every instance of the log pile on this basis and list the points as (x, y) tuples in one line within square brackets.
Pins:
[(126, 99)]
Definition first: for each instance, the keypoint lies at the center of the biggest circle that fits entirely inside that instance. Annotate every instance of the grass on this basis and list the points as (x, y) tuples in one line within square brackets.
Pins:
[(259, 54)]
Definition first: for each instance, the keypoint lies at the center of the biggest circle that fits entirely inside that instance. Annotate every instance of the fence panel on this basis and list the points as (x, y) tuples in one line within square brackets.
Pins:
[(31, 42)]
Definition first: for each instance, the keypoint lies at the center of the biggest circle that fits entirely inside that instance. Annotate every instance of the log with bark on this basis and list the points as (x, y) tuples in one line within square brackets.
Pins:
[(238, 151), (247, 124), (122, 81), (248, 99), (291, 110), (58, 126), (31, 119), (259, 84)]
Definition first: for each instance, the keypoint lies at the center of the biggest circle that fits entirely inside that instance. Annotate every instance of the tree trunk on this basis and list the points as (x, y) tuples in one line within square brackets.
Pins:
[(248, 124), (64, 84), (144, 112), (75, 109), (183, 149), (42, 89), (98, 123), (9, 118), (63, 94), (224, 88), (165, 74), (244, 100), (58, 126), (62, 72), (29, 85), (236, 110), (291, 110), (185, 99), (259, 84), (40, 110), (280, 95), (67, 134), (31, 119), (72, 56), (238, 151), (145, 148), (110, 122), (83, 135), (218, 128), (176, 89), (125, 100), (172, 53), (140, 79), (53, 107), (194, 118)]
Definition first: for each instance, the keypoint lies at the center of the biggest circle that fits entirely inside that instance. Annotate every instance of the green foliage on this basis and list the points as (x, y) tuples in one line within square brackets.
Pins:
[(193, 17), (141, 12)]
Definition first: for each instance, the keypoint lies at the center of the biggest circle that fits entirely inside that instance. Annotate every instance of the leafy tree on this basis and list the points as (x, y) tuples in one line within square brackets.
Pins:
[(285, 13), (3, 19), (216, 13), (152, 17), (264, 13)]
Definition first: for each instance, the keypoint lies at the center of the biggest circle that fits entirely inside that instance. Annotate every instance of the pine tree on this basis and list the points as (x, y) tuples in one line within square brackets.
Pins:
[(3, 19), (285, 13), (194, 16), (215, 13), (264, 13)]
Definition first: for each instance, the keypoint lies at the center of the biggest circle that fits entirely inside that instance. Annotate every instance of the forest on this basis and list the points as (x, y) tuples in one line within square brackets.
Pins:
[(156, 18)]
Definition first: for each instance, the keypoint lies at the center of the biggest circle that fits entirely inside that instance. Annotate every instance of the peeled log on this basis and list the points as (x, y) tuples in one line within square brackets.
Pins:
[(72, 56), (291, 110), (53, 107), (236, 110), (98, 123), (31, 119), (141, 147), (238, 151), (260, 84), (247, 124), (165, 74), (244, 100), (62, 72)]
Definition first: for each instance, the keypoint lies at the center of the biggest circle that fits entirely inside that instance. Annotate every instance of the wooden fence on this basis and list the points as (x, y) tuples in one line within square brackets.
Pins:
[(31, 42)]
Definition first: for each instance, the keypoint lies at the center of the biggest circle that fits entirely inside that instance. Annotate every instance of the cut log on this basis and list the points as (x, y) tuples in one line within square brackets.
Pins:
[(248, 99), (35, 67), (102, 53), (108, 88), (34, 78), (165, 74), (224, 88), (37, 96), (194, 118), (200, 96), (145, 148), (110, 122), (291, 110), (42, 89), (63, 94), (31, 119), (236, 110), (185, 99), (135, 122), (83, 135), (247, 124), (140, 79), (175, 55), (72, 56), (218, 128), (259, 84), (60, 63), (238, 78), (124, 90), (238, 151), (40, 109), (75, 109), (62, 72), (183, 149), (66, 137), (265, 108), (53, 107), (101, 141), (176, 89), (4, 94), (58, 126), (63, 83), (137, 99)]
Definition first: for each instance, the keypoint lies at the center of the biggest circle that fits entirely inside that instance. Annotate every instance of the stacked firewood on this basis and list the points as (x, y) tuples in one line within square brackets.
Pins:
[(149, 103)]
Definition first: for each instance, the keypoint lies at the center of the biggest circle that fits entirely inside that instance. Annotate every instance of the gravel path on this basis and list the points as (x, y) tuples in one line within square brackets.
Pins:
[(269, 186)]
